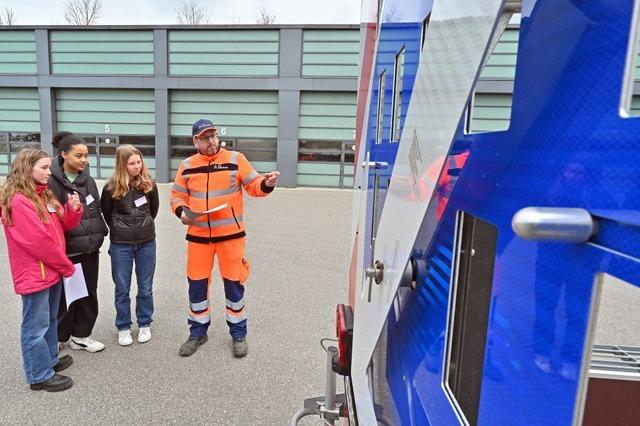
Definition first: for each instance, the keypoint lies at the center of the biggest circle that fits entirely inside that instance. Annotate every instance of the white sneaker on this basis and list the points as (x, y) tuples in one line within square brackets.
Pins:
[(144, 335), (86, 343), (124, 338), (62, 344)]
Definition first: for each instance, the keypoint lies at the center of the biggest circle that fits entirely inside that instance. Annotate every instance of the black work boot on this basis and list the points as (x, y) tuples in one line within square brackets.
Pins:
[(192, 344), (63, 363), (239, 347), (55, 384)]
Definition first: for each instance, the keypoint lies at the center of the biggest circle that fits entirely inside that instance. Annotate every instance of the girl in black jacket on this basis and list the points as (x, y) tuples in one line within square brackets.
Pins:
[(69, 174), (130, 205)]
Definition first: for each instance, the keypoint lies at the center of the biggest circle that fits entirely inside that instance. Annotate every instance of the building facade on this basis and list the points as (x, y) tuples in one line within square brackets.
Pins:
[(283, 95)]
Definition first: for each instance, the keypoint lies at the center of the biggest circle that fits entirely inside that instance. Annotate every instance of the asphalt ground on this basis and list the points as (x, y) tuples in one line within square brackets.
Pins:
[(298, 245)]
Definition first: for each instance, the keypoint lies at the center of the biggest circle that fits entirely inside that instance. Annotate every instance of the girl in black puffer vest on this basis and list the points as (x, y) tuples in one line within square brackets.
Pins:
[(130, 204), (69, 174)]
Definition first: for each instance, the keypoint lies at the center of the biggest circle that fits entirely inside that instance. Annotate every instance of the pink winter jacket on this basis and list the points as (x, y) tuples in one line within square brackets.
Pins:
[(36, 249)]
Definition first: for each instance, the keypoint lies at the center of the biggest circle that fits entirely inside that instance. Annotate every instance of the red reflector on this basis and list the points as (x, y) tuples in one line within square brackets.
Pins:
[(344, 332)]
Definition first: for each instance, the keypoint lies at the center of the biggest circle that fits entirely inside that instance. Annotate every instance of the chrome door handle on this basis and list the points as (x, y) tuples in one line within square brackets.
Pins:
[(569, 225)]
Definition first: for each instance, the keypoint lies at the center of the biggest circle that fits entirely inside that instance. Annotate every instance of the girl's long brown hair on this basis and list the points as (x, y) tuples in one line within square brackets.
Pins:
[(120, 182), (20, 179)]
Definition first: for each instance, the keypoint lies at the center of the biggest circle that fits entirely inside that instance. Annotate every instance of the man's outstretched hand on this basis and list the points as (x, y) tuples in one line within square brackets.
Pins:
[(271, 178)]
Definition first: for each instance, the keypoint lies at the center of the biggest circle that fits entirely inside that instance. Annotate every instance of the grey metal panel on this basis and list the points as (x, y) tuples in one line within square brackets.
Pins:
[(163, 82), (223, 83), (47, 114), (18, 81), (288, 114), (288, 162), (320, 84), (96, 82), (160, 62), (45, 94), (291, 83), (163, 143), (195, 83), (334, 85), (290, 52), (42, 52), (288, 123)]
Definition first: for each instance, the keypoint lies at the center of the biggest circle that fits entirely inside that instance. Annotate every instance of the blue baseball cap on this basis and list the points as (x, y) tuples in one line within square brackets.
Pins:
[(200, 126)]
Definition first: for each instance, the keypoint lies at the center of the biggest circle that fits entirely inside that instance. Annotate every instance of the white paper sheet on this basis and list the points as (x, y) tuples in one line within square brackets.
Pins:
[(192, 215), (75, 287)]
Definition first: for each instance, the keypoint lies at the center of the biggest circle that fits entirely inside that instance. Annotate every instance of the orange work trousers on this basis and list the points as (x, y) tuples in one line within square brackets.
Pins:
[(234, 270)]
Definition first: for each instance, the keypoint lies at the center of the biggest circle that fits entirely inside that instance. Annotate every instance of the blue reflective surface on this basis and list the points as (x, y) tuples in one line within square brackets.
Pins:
[(393, 38), (566, 146)]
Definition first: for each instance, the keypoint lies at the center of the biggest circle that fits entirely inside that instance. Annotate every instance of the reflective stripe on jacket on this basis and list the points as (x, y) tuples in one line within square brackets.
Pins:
[(205, 182)]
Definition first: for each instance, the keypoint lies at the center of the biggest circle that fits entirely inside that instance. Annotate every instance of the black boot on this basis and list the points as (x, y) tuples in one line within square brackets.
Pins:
[(192, 344), (55, 384), (63, 363)]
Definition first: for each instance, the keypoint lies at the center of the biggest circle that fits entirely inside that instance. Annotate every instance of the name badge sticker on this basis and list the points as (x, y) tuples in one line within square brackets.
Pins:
[(141, 201), (89, 199)]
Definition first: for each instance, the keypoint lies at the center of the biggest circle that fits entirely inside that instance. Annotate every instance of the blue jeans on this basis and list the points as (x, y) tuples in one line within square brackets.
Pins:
[(39, 333), (122, 258)]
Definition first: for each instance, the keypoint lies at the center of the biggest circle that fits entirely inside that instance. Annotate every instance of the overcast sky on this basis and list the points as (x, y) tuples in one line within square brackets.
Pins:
[(128, 12)]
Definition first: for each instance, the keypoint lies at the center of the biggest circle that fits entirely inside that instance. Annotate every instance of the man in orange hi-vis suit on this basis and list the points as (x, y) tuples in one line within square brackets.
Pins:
[(207, 196)]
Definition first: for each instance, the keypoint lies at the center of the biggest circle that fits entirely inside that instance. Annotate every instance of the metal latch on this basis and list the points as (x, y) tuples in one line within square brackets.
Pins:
[(376, 271)]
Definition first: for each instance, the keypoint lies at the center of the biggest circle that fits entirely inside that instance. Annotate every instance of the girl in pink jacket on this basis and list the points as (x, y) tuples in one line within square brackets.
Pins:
[(34, 224)]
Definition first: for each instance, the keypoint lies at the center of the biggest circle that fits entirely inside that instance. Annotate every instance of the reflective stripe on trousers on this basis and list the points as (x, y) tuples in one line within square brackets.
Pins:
[(200, 259)]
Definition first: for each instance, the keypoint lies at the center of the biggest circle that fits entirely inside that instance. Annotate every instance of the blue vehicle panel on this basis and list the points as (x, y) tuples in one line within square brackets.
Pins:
[(567, 146)]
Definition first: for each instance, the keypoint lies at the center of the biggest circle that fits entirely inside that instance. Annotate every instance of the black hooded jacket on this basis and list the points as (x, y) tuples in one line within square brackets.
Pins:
[(130, 219), (89, 235)]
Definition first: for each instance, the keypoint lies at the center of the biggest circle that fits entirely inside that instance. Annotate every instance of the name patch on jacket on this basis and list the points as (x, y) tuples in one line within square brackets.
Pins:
[(211, 168)]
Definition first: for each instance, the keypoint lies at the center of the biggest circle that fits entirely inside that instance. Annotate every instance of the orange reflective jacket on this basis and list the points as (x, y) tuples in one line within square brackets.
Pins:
[(205, 182)]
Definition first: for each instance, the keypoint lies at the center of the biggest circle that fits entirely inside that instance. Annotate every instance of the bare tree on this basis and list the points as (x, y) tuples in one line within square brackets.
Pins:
[(193, 12), (82, 12), (7, 17), (265, 17)]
